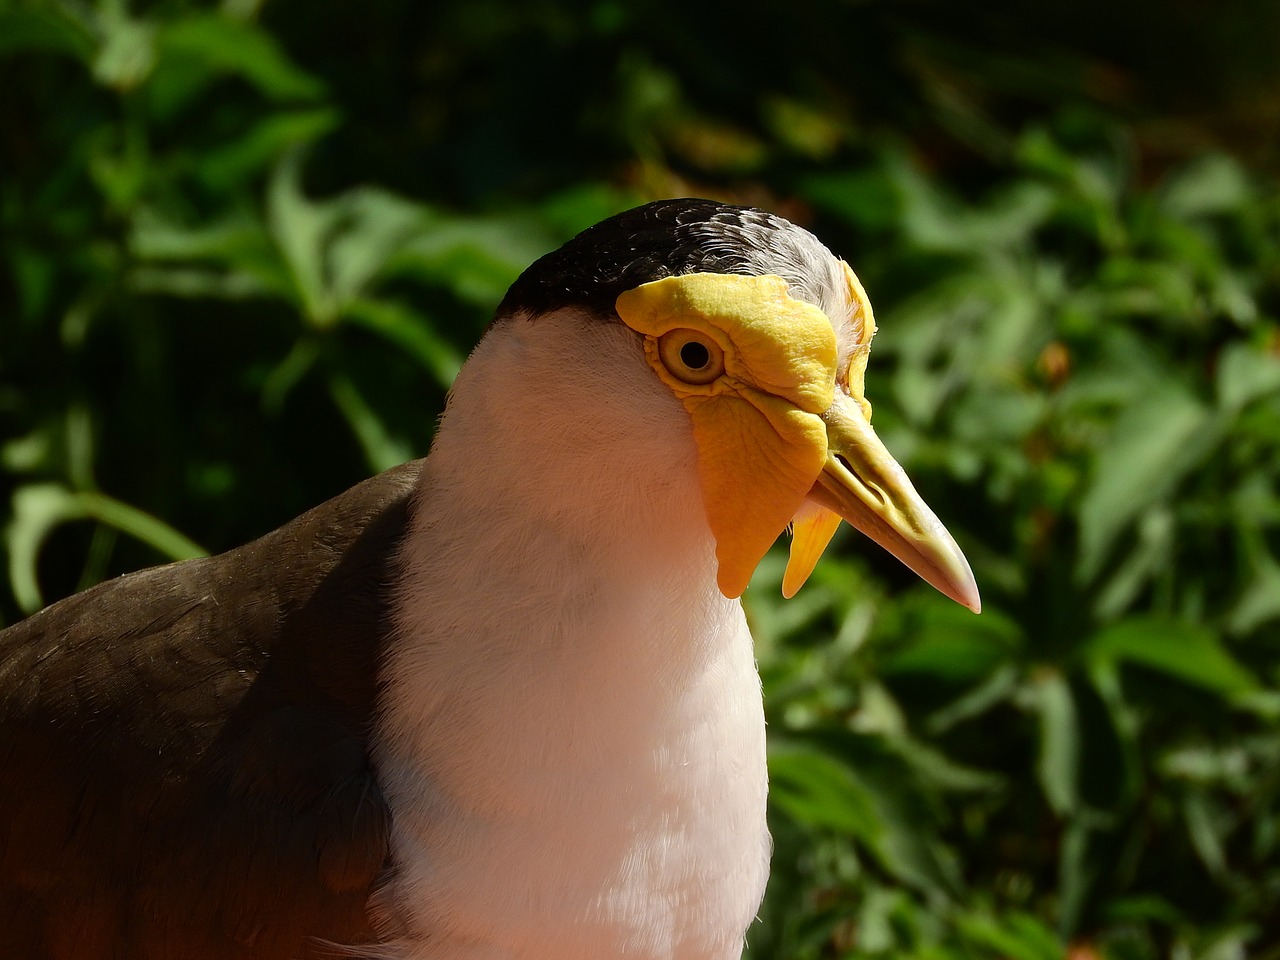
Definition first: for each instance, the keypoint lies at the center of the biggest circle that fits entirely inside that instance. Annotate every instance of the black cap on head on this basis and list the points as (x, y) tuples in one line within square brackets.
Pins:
[(661, 239)]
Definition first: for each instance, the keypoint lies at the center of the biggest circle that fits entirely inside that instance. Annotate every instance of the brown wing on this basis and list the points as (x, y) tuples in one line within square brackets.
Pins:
[(184, 767)]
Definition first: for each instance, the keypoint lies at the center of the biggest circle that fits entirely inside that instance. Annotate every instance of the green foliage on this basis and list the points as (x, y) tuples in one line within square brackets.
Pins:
[(242, 265), (180, 300), (1094, 368)]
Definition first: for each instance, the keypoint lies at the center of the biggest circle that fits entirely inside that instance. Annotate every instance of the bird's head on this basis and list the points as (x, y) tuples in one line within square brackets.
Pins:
[(763, 336)]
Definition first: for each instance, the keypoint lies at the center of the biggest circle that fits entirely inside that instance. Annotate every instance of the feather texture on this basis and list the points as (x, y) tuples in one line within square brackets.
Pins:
[(184, 768), (573, 736)]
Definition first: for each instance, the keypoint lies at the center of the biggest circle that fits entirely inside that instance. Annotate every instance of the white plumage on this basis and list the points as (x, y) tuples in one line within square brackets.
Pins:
[(582, 771)]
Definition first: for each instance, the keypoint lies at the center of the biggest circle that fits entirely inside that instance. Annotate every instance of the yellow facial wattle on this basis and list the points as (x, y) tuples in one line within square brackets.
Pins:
[(755, 403)]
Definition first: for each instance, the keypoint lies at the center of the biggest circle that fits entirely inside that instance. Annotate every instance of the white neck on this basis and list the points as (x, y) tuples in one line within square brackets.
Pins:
[(572, 737)]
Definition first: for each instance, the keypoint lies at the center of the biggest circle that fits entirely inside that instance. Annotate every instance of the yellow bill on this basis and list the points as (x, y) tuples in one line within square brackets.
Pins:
[(864, 485)]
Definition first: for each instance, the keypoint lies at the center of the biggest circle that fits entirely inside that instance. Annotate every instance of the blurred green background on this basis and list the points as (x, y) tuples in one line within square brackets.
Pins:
[(247, 245)]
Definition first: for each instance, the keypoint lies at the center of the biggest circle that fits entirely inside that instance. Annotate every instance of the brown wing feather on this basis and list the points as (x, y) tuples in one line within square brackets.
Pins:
[(184, 767)]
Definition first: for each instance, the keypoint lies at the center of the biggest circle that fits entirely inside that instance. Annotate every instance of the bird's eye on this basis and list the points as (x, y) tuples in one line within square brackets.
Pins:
[(691, 356)]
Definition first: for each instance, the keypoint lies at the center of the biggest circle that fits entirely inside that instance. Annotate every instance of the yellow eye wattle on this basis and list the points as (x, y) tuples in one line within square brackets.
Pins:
[(691, 356), (755, 369)]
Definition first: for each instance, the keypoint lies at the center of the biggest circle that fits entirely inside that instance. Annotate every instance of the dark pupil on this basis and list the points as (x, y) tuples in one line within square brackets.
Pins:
[(695, 355)]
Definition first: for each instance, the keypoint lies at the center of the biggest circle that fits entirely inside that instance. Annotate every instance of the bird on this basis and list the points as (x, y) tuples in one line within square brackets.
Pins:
[(499, 703)]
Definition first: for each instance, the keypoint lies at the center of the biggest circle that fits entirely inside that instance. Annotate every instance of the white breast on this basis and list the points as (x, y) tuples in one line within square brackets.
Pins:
[(572, 739)]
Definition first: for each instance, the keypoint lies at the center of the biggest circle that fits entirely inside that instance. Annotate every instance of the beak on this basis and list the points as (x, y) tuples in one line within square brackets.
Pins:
[(864, 485)]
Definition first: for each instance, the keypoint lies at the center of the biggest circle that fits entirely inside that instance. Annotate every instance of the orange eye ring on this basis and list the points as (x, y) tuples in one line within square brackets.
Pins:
[(691, 356)]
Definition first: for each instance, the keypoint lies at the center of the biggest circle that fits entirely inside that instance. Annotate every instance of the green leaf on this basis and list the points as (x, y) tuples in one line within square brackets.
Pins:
[(819, 791), (998, 688), (1259, 600), (1016, 937), (1207, 827), (288, 373), (225, 45), (336, 248), (140, 525), (240, 160), (1152, 446), (1148, 558), (39, 508), (568, 212), (232, 258), (371, 227), (195, 283), (475, 257), (154, 237), (1245, 373), (50, 28), (1185, 651), (865, 198), (404, 328), (1142, 907), (1058, 763), (948, 643), (127, 54), (1236, 942), (1210, 185), (299, 227), (382, 449), (860, 786), (1077, 871)]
